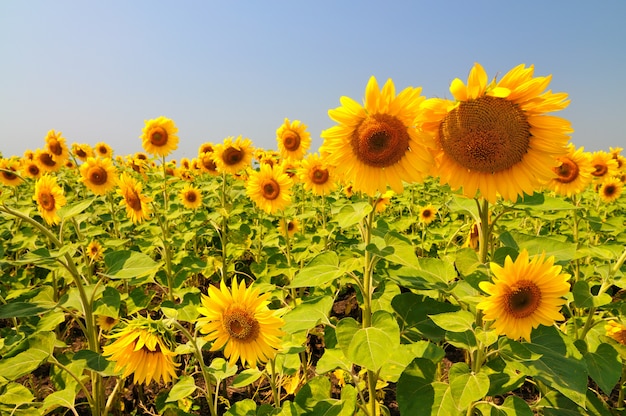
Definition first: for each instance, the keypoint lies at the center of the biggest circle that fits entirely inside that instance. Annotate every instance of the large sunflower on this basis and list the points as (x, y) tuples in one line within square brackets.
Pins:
[(269, 188), (159, 136), (376, 145), (496, 138), (604, 165), (57, 147), (573, 175), (98, 175), (49, 197), (141, 349), (238, 320), (9, 169), (524, 294), (233, 155), (190, 196), (293, 139), (316, 175), (136, 203)]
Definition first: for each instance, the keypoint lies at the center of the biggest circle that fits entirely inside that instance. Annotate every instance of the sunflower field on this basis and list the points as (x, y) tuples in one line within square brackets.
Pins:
[(435, 257)]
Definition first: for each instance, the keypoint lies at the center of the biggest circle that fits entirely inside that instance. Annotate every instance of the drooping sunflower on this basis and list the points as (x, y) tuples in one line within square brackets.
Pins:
[(525, 293), (46, 161), (239, 320), (137, 204), (316, 175), (233, 155), (159, 136), (289, 227), (9, 169), (141, 349), (293, 139), (497, 137), (573, 175), (82, 151), (269, 188), (190, 196), (49, 197), (427, 214), (95, 251), (610, 190), (102, 149), (57, 147), (98, 175), (604, 165), (377, 145), (616, 330)]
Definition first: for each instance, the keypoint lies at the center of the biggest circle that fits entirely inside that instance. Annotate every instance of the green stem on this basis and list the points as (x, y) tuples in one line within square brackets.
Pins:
[(484, 230), (82, 386), (622, 386), (224, 229), (367, 302), (274, 385)]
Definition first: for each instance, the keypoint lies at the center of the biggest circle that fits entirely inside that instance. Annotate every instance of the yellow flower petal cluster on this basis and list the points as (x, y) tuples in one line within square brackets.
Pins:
[(191, 197), (98, 175), (293, 139), (616, 330), (269, 188), (316, 175), (137, 204), (159, 137), (232, 156), (49, 197), (427, 214), (9, 172), (573, 174)]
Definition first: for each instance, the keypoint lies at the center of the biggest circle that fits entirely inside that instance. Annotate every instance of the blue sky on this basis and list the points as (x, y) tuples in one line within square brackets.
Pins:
[(97, 70)]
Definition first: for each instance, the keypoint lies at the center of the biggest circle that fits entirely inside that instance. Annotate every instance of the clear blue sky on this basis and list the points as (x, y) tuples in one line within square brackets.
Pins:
[(97, 70)]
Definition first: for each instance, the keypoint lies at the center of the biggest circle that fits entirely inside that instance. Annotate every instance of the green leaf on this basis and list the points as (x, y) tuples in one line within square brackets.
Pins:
[(404, 355), (322, 269), (418, 393), (467, 387), (308, 314), (220, 369), (40, 348), (15, 394), (109, 303), (63, 398), (372, 347), (246, 377), (352, 214), (458, 321), (95, 362), (184, 387), (332, 359), (583, 298), (512, 406), (413, 311), (245, 407), (21, 310), (604, 366), (561, 250), (128, 264), (70, 211), (397, 249), (345, 330), (316, 390)]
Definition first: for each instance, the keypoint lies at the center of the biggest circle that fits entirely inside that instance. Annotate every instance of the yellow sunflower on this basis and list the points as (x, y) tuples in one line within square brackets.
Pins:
[(56, 146), (382, 201), (316, 175), (49, 197), (102, 149), (269, 188), (98, 175), (137, 204), (141, 349), (106, 323), (377, 145), (30, 168), (206, 163), (616, 330), (95, 251), (524, 294), (207, 147), (293, 139), (289, 227), (233, 155), (190, 196), (82, 151), (427, 214), (496, 138), (604, 165), (9, 169), (238, 320), (610, 190), (573, 175), (159, 136), (46, 161)]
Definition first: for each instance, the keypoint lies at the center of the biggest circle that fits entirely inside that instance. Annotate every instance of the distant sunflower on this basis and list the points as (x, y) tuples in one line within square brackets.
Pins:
[(82, 151), (101, 149), (427, 214), (316, 175), (9, 172), (49, 197), (159, 136), (603, 164), (377, 145), (382, 201), (269, 188), (206, 163), (28, 155), (611, 190), (291, 168), (46, 161), (207, 147), (95, 251), (293, 139), (98, 175), (616, 330), (238, 320), (524, 294), (30, 168), (289, 227), (106, 323), (573, 173), (141, 349), (496, 138), (233, 155), (137, 204), (57, 147), (191, 197)]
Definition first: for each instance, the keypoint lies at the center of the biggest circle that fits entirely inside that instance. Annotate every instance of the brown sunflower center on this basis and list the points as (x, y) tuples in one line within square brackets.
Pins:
[(241, 324), (208, 162), (33, 169), (232, 156), (80, 153), (488, 134), (427, 213), (381, 140), (98, 175), (55, 147), (103, 150), (46, 159), (600, 169), (270, 189), (9, 174), (291, 226), (567, 172), (158, 136), (190, 196), (47, 202), (609, 190), (291, 140), (133, 200), (523, 299), (319, 176)]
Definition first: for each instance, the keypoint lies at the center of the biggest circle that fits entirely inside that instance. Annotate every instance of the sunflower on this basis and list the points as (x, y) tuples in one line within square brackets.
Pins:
[(56, 146), (102, 149), (190, 196), (49, 197), (377, 145), (31, 168), (141, 349), (207, 147), (382, 201), (94, 251), (610, 190), (82, 151), (159, 136), (269, 188), (28, 155), (293, 139), (289, 227), (427, 214), (98, 175), (496, 138), (46, 161), (137, 204), (206, 163), (291, 168), (316, 175), (233, 155), (9, 169), (524, 294), (573, 175), (238, 320), (616, 330), (106, 323), (473, 237), (604, 165)]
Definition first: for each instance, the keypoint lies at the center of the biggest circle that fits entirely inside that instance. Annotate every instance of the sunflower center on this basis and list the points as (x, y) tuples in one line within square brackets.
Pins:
[(488, 134), (98, 175), (33, 169), (271, 189), (609, 190), (191, 196), (46, 201), (319, 176), (232, 156), (55, 147), (567, 172), (81, 153), (158, 136), (103, 150), (523, 299), (291, 226), (133, 200), (241, 324), (291, 140), (600, 169), (381, 140), (427, 213), (46, 159), (9, 174), (208, 162)]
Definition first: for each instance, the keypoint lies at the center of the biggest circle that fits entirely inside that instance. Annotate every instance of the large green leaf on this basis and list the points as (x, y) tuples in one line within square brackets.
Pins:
[(467, 387), (352, 214), (372, 347), (184, 387), (21, 310), (512, 406), (418, 393), (308, 314), (128, 264), (322, 269), (605, 367), (583, 298), (40, 347), (15, 394), (457, 321), (561, 250)]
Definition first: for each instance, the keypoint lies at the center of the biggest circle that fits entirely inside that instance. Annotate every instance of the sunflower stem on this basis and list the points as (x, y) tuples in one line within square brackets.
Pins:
[(273, 383), (224, 230), (484, 231), (367, 301)]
